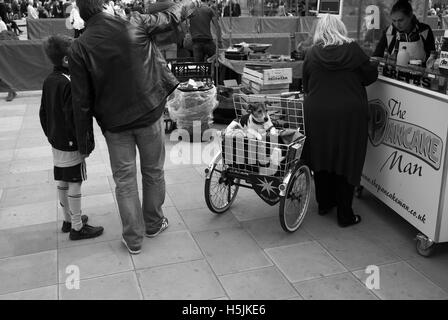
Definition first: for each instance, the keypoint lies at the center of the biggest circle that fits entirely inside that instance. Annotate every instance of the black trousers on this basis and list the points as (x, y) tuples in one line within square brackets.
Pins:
[(334, 190), (15, 27)]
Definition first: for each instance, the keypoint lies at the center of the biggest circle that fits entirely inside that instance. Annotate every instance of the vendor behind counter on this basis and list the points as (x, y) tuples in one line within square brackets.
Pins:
[(405, 27)]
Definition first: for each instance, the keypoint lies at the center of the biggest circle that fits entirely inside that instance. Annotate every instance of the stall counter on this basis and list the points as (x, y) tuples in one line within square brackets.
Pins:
[(406, 161)]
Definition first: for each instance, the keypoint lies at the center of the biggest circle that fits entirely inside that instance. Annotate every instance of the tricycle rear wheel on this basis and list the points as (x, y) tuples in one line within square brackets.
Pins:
[(220, 189)]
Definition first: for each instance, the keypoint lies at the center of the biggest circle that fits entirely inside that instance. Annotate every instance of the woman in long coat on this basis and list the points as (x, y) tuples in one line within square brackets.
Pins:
[(335, 73)]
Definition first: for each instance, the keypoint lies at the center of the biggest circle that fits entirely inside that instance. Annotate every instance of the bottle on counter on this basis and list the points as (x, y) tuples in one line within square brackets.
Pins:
[(430, 62), (403, 57), (383, 64), (444, 56), (432, 70), (393, 56)]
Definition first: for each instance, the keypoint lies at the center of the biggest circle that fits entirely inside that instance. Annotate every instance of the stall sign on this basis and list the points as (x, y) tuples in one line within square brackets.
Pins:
[(405, 152)]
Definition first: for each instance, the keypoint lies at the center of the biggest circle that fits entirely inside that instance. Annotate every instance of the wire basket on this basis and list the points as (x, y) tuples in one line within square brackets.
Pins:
[(284, 112), (273, 155)]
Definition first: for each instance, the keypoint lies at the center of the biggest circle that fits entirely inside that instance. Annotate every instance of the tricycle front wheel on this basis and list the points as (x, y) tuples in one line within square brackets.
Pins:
[(294, 205)]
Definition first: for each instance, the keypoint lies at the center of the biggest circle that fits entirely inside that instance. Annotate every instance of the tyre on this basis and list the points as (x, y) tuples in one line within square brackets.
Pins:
[(294, 205), (220, 190)]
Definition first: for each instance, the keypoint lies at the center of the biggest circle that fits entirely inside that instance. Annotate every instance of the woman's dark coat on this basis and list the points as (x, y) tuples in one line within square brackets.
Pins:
[(336, 113)]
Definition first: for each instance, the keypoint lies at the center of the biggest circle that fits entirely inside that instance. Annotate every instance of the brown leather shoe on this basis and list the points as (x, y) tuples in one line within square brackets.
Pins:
[(11, 95)]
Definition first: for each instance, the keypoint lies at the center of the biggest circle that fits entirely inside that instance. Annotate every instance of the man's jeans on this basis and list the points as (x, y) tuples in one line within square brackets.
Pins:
[(151, 146), (203, 50)]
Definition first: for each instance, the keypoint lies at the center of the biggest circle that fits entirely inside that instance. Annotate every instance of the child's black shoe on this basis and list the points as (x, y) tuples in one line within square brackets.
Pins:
[(67, 226), (86, 232)]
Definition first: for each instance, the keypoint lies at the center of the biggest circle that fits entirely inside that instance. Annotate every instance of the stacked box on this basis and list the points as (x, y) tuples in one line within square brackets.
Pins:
[(267, 80)]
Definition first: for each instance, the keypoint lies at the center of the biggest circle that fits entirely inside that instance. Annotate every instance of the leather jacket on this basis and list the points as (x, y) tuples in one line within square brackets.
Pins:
[(118, 73)]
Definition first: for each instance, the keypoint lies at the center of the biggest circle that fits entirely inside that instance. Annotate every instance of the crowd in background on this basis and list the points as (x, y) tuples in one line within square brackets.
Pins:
[(279, 8), (18, 9)]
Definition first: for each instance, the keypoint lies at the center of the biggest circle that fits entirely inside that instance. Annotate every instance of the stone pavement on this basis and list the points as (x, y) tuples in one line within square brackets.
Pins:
[(241, 254)]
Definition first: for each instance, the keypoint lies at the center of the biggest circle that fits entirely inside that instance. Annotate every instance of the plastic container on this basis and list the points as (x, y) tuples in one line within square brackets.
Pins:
[(403, 57), (443, 67), (432, 69), (192, 109), (430, 62), (183, 71)]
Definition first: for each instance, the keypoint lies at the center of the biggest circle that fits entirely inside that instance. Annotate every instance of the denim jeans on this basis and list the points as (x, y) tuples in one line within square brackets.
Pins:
[(203, 50), (137, 217)]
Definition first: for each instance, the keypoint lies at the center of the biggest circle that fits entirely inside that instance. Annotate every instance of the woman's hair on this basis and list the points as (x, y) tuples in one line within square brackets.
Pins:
[(56, 47), (403, 6), (330, 30)]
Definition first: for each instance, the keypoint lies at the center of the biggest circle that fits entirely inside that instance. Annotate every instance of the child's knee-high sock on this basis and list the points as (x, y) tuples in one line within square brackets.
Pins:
[(63, 200), (74, 200)]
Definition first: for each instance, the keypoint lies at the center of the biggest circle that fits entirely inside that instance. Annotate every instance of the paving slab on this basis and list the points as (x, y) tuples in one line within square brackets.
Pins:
[(44, 293), (337, 287), (28, 271), (94, 260), (261, 284), (204, 219), (305, 261), (26, 240), (399, 281), (121, 286), (268, 233), (231, 250), (167, 248), (193, 280)]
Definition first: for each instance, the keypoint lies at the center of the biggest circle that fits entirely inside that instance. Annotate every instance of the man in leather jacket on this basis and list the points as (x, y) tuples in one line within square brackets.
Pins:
[(120, 77)]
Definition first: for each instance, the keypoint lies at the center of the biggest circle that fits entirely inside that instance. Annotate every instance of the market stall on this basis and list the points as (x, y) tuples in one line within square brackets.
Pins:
[(406, 162)]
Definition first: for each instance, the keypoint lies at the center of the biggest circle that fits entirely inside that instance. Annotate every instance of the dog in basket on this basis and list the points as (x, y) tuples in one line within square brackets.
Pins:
[(255, 124)]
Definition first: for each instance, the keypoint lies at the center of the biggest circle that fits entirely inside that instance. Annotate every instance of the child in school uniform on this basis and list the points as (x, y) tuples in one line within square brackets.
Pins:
[(56, 117)]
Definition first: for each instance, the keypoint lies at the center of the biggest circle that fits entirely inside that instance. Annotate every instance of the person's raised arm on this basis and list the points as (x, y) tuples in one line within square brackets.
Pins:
[(381, 46), (161, 21), (368, 70)]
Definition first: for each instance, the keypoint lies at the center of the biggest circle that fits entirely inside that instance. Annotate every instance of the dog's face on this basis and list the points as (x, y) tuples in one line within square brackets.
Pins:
[(258, 112)]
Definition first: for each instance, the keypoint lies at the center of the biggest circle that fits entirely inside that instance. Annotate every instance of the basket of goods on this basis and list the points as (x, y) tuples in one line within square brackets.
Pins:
[(191, 106)]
